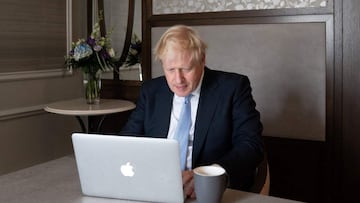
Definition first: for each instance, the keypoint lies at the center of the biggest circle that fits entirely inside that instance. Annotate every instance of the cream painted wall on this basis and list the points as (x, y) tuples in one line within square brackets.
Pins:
[(288, 80), (28, 134)]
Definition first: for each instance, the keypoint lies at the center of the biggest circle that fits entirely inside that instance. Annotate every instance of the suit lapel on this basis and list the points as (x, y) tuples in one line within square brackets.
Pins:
[(205, 113), (164, 98)]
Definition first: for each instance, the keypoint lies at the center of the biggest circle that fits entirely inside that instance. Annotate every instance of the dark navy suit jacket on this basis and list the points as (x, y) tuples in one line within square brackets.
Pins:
[(227, 127)]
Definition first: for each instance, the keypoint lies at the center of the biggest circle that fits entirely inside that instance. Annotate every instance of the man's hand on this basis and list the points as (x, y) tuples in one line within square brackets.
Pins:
[(188, 183)]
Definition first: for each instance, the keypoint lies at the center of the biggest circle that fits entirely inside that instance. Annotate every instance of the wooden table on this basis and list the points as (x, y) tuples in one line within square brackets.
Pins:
[(79, 108), (57, 181)]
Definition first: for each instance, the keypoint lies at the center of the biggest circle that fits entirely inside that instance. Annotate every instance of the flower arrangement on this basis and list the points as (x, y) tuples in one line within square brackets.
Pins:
[(134, 55), (93, 54)]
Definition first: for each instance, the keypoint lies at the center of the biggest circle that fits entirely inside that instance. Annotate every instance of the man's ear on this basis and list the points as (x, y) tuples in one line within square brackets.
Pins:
[(203, 59)]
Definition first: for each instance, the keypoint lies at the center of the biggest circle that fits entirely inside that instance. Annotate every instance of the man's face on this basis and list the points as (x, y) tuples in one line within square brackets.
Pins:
[(181, 74)]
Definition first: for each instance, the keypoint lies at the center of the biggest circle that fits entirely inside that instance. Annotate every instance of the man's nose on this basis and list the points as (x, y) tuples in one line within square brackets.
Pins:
[(179, 76)]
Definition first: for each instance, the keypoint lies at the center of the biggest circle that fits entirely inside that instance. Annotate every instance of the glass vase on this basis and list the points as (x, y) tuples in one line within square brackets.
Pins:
[(92, 86)]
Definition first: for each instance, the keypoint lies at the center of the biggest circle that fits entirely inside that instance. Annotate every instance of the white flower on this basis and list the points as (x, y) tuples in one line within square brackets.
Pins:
[(111, 52)]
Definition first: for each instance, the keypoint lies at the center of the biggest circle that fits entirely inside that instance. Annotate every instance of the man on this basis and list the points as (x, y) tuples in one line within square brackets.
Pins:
[(225, 126)]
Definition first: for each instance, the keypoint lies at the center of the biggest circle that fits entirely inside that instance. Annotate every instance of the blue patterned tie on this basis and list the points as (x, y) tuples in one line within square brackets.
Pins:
[(183, 130)]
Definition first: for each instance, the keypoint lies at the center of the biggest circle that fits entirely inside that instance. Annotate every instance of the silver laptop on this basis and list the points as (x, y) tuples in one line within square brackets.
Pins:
[(125, 167)]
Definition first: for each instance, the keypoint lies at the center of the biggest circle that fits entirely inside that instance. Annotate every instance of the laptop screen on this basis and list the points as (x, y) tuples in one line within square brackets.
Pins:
[(127, 167)]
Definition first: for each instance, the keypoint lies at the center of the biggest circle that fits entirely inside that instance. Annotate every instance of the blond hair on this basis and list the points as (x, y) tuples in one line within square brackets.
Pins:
[(185, 38)]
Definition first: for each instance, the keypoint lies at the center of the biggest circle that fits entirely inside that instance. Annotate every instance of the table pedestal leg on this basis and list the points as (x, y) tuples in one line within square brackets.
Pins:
[(100, 123), (81, 122), (87, 130)]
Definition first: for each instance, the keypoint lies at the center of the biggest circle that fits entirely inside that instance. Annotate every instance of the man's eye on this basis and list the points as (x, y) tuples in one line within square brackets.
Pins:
[(171, 70), (187, 69)]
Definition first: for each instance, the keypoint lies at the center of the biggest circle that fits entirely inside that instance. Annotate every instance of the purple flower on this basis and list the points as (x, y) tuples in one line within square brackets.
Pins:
[(104, 54), (137, 47), (71, 53), (91, 41), (97, 48)]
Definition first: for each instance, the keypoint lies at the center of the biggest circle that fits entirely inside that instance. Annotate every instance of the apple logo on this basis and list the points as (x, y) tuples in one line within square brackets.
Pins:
[(127, 170)]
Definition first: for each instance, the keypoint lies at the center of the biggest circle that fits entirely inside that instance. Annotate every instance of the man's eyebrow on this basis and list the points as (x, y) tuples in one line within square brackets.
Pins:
[(186, 68)]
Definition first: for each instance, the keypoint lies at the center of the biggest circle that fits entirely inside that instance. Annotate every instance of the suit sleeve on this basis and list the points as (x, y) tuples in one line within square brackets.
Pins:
[(135, 123), (247, 147)]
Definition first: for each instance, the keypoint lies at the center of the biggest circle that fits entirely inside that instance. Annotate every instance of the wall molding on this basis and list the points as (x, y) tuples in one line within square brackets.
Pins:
[(68, 24), (21, 112), (23, 75)]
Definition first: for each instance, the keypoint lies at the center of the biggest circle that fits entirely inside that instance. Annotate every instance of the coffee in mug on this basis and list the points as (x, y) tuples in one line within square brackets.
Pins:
[(210, 183)]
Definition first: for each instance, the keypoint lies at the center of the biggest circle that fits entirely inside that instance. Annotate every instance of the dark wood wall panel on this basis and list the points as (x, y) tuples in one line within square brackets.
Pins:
[(292, 175), (302, 170), (351, 100)]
